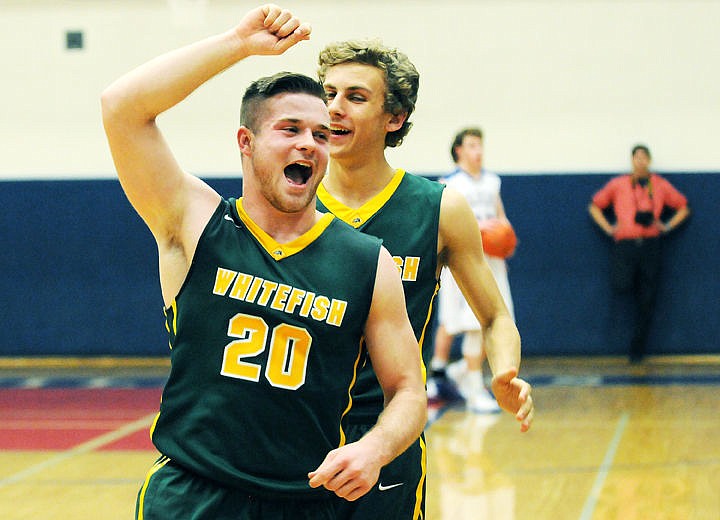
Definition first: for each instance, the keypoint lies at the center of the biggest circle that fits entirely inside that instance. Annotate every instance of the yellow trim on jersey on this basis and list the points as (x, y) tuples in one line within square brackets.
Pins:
[(154, 423), (356, 217), (349, 391), (175, 313), (424, 330), (173, 307), (141, 500), (274, 248), (417, 513)]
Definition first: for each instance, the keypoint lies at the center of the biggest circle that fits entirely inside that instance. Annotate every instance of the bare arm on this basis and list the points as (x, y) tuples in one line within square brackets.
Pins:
[(175, 205), (599, 217), (461, 250), (678, 218), (350, 471), (395, 355)]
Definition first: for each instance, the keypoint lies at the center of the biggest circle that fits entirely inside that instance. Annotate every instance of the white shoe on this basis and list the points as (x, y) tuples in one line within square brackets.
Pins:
[(432, 389), (482, 402), (456, 370)]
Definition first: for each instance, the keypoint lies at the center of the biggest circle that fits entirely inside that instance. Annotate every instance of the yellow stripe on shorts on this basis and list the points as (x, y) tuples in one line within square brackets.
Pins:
[(141, 502)]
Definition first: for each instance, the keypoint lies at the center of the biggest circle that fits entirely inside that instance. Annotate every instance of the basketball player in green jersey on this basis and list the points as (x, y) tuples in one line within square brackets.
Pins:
[(269, 302), (371, 92)]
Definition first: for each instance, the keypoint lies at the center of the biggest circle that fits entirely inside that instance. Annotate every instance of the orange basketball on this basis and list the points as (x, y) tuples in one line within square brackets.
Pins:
[(498, 237)]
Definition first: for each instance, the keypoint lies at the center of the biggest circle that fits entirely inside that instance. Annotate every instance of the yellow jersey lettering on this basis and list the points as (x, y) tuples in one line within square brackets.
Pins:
[(307, 304), (295, 299), (223, 279), (410, 268), (337, 312), (320, 308), (280, 298), (398, 263), (254, 289), (241, 286), (268, 288)]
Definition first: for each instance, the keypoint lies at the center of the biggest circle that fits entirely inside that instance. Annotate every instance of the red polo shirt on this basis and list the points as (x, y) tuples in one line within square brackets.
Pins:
[(628, 198)]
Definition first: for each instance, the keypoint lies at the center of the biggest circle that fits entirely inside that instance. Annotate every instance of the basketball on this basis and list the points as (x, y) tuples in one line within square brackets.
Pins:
[(498, 237)]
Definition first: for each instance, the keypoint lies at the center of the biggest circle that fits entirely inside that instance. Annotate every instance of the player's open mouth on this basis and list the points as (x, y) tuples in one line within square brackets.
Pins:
[(298, 173), (339, 131)]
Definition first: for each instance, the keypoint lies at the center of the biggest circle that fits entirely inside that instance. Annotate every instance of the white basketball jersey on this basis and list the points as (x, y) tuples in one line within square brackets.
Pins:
[(481, 192)]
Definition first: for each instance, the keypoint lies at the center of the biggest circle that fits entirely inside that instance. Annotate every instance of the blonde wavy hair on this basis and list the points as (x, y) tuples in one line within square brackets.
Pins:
[(402, 79)]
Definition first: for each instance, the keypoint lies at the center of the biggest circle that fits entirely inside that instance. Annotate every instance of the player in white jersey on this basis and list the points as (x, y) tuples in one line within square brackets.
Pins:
[(482, 190)]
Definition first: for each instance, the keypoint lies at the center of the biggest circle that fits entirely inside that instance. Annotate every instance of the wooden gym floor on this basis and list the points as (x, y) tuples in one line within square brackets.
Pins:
[(610, 441)]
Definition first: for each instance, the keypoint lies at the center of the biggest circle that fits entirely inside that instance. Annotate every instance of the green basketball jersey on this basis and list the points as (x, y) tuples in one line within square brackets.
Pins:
[(266, 341), (406, 215)]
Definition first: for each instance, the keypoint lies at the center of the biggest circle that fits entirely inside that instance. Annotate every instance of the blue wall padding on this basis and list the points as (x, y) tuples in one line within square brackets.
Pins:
[(80, 275), (560, 273)]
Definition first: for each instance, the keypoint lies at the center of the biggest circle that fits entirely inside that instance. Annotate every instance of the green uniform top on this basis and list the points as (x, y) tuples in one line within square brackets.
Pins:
[(406, 215), (266, 339)]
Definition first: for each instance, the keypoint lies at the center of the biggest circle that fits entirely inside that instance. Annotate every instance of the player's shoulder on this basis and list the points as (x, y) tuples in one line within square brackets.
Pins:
[(454, 176), (489, 174), (414, 184), (418, 178), (453, 198)]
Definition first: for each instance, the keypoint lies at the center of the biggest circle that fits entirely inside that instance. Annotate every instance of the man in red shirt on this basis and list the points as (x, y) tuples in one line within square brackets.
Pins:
[(638, 200)]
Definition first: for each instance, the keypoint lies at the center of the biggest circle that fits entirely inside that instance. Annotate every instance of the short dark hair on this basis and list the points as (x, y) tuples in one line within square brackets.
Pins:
[(473, 130), (642, 147), (267, 87)]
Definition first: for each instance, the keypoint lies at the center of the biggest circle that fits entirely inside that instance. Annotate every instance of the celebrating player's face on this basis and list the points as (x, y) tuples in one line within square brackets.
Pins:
[(289, 152), (356, 99)]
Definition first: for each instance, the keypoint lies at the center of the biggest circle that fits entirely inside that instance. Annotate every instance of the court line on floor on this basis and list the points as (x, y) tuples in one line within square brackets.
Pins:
[(81, 382), (80, 449), (538, 380), (604, 469)]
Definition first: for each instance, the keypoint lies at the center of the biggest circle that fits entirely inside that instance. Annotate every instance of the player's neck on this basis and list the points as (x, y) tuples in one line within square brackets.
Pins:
[(282, 226), (472, 169), (355, 183)]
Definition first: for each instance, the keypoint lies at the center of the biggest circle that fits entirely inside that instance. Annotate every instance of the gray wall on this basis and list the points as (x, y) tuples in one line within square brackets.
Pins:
[(558, 85)]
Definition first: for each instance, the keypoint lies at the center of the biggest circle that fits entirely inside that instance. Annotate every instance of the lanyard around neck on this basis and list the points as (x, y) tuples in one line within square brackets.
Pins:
[(649, 186)]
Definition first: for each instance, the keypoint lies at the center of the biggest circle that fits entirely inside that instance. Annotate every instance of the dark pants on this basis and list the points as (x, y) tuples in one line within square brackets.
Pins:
[(172, 492), (635, 269)]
